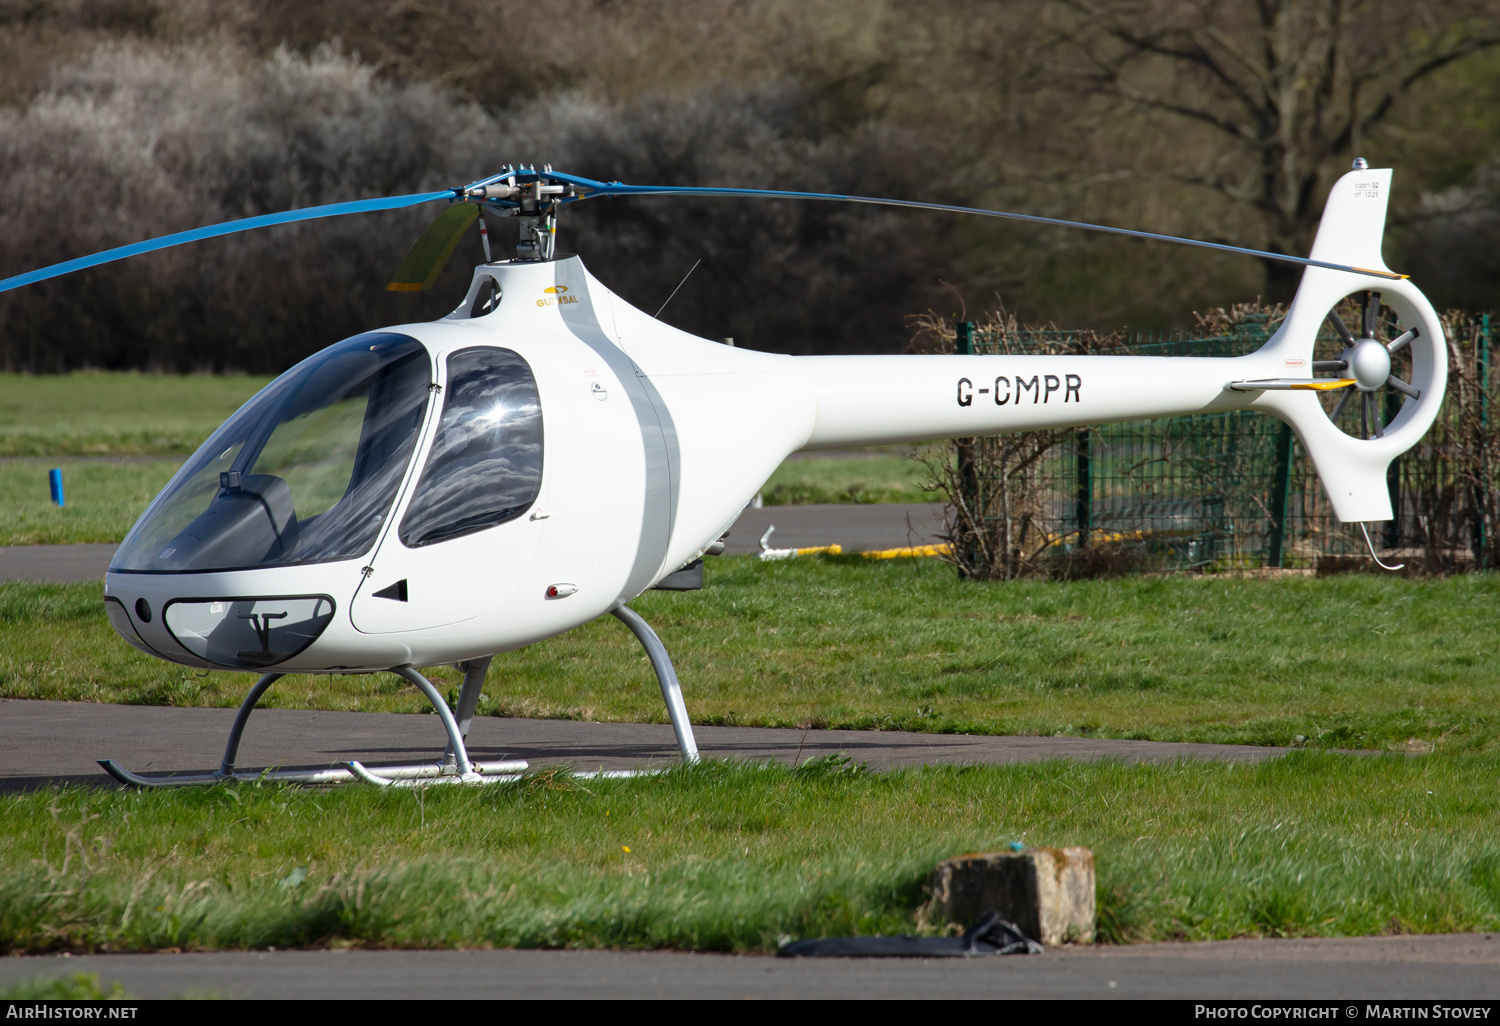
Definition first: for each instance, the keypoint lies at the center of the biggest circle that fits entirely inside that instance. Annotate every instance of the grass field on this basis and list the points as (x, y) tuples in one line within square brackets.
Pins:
[(874, 477), (103, 499), (44, 420), (105, 496), (98, 413), (1346, 662), (740, 858), (77, 987)]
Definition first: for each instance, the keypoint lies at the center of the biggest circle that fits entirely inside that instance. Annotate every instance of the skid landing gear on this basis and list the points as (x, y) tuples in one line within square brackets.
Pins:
[(455, 767), (666, 676)]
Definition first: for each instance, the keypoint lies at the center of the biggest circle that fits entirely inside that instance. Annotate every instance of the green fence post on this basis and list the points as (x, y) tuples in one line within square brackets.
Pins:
[(1280, 488), (968, 477), (1393, 477), (1482, 367), (1083, 508)]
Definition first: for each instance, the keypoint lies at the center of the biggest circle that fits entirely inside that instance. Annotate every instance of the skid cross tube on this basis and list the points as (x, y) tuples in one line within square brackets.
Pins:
[(454, 766), (666, 676)]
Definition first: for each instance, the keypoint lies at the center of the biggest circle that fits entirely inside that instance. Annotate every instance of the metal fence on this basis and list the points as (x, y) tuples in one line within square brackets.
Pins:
[(1224, 490)]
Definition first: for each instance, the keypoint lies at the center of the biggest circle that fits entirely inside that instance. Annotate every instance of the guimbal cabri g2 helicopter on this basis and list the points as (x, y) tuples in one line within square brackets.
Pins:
[(442, 492)]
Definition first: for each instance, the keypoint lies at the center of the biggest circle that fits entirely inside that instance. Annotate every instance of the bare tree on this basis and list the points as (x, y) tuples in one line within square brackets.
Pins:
[(1285, 92)]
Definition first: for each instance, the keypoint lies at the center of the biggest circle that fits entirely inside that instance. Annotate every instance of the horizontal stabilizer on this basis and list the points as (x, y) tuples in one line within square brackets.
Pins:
[(1291, 384)]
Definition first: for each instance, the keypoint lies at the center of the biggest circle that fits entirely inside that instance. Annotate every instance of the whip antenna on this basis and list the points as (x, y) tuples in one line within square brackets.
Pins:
[(680, 284)]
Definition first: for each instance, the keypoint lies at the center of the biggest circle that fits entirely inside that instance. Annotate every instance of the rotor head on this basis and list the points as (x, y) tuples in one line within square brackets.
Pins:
[(1368, 363)]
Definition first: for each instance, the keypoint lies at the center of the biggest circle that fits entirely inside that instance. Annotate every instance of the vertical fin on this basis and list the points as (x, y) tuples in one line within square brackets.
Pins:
[(1353, 224)]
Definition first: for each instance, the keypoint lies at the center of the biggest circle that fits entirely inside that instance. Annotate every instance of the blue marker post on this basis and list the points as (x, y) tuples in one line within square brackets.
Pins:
[(54, 478)]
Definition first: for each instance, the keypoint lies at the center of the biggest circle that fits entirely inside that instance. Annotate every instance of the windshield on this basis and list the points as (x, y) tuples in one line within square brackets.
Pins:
[(305, 472)]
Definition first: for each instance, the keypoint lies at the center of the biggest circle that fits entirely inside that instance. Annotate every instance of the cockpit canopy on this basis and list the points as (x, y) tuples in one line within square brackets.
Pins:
[(309, 469), (305, 472)]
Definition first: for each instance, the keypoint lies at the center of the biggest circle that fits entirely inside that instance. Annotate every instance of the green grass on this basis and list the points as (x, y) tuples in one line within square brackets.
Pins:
[(740, 857), (103, 499), (99, 414), (1357, 661), (96, 413), (77, 987), (874, 477)]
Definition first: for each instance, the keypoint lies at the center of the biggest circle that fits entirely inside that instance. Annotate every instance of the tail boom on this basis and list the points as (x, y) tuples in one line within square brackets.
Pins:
[(879, 400), (874, 400)]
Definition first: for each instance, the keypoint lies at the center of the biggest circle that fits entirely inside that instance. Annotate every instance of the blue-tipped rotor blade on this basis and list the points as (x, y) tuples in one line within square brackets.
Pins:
[(226, 228), (591, 188)]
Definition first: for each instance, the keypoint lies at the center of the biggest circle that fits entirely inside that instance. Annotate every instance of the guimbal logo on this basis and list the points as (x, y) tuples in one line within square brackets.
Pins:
[(556, 294)]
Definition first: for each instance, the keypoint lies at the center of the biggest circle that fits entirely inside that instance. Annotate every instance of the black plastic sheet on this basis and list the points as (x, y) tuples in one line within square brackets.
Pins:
[(990, 936)]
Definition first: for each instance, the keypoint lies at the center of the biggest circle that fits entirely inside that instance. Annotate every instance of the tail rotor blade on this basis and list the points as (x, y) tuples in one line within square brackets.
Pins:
[(1401, 341), (430, 253), (1402, 387), (1372, 313), (1340, 327)]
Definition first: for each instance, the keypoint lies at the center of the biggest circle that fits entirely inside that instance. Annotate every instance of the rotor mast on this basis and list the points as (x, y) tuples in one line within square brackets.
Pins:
[(533, 203)]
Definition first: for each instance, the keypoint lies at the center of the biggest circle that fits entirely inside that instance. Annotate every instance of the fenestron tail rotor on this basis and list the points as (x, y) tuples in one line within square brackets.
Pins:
[(534, 197), (1363, 368), (1368, 365)]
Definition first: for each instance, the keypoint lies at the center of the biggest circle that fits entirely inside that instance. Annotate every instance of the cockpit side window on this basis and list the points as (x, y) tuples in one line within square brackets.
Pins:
[(485, 467)]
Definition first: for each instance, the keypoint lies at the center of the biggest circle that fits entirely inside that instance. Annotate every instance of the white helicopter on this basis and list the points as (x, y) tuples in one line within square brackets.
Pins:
[(446, 491)]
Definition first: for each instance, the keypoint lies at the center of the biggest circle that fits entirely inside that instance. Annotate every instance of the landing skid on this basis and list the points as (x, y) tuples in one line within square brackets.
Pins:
[(455, 767)]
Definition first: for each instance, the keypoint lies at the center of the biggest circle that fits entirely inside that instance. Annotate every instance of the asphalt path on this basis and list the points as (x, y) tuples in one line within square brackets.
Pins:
[(1445, 967), (59, 564), (855, 527), (49, 742)]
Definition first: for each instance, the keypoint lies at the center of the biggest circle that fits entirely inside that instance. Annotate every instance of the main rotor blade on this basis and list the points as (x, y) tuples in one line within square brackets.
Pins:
[(590, 188), (430, 253), (225, 228)]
